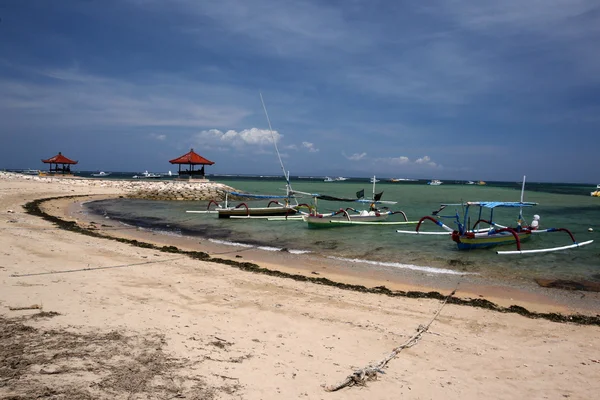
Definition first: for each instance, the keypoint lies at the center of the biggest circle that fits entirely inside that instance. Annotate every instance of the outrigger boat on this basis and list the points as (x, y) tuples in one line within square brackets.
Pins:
[(273, 209), (351, 216), (473, 238)]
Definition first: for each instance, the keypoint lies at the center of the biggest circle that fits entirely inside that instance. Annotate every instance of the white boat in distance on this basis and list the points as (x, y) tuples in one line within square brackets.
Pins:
[(101, 174), (338, 179), (596, 193), (434, 182), (402, 180), (30, 172), (147, 175)]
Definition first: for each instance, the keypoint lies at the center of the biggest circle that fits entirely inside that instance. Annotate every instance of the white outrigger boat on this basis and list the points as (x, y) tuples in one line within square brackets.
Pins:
[(351, 216), (474, 238)]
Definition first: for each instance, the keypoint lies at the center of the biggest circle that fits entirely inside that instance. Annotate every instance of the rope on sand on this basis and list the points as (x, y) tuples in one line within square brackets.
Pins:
[(95, 268), (368, 373)]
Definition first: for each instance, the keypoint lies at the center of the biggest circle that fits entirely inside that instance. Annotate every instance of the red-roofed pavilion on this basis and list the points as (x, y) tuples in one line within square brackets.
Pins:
[(60, 159), (191, 159)]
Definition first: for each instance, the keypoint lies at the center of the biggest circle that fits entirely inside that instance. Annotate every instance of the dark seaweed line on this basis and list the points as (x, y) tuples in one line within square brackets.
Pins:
[(33, 208)]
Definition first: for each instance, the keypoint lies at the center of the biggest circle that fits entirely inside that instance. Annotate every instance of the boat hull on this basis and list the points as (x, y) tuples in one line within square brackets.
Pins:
[(483, 240), (328, 221), (256, 212)]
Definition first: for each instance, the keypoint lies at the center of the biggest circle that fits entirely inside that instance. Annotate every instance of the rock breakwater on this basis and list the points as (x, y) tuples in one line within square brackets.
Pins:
[(152, 190)]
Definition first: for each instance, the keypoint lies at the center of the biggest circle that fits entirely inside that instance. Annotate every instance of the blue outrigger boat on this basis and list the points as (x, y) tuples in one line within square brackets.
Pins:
[(474, 237)]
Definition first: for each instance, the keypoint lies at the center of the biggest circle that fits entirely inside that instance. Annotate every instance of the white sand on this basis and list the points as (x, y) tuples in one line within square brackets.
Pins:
[(233, 334)]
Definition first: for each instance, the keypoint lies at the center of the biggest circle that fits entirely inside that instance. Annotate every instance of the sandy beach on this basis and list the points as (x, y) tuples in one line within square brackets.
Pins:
[(126, 322)]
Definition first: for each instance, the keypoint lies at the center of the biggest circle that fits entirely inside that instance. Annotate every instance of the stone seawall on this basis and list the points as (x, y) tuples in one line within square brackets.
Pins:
[(138, 189)]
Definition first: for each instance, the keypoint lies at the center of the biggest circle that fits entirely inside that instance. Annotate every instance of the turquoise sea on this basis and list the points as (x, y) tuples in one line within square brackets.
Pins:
[(560, 206)]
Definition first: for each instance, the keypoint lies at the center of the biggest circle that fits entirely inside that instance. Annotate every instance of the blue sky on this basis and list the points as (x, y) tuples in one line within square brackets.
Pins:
[(446, 89)]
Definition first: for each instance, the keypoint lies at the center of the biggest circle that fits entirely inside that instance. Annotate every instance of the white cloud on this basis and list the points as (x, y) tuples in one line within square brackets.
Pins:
[(158, 137), (248, 137), (310, 147), (355, 156), (424, 161), (398, 160)]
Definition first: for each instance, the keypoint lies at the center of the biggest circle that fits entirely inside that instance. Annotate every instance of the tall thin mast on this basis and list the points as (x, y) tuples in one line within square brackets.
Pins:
[(285, 174), (374, 180), (522, 195)]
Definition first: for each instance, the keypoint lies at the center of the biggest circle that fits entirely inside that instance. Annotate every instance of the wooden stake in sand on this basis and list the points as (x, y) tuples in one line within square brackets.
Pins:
[(369, 373)]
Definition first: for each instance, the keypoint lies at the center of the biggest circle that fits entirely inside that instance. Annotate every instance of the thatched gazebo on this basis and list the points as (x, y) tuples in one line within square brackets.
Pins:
[(65, 162), (191, 159)]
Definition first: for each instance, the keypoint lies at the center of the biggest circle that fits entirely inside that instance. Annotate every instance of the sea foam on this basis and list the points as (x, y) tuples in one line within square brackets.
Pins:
[(265, 248), (412, 267)]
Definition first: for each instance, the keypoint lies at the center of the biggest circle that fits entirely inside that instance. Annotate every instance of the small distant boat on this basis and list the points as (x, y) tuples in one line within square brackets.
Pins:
[(31, 172), (402, 180), (338, 179), (147, 175), (434, 182), (470, 183), (596, 193), (481, 183), (101, 174)]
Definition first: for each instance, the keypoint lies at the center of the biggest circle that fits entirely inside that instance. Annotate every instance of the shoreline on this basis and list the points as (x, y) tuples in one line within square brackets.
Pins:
[(503, 298)]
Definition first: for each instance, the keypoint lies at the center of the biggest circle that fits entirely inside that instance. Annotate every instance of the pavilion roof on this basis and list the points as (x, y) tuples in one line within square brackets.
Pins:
[(191, 158), (59, 159)]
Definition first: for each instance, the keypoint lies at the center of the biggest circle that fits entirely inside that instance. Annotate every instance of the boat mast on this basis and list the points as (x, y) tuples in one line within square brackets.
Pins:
[(522, 195), (374, 180), (285, 174)]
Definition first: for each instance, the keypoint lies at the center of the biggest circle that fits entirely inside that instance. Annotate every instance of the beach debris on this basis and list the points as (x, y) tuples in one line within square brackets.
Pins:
[(31, 307), (13, 211), (221, 343), (368, 373), (52, 370)]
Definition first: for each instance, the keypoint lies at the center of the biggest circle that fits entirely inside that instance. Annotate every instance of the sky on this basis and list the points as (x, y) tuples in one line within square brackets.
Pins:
[(442, 89)]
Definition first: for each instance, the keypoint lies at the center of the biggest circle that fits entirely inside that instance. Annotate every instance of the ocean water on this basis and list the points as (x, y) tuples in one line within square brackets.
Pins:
[(560, 206)]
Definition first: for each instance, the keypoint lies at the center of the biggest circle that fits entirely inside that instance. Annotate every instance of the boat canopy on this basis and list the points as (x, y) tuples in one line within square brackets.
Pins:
[(258, 196), (494, 204), (331, 198)]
